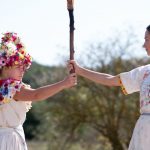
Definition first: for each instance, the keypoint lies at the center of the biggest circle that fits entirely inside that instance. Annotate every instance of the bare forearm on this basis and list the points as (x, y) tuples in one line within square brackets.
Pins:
[(41, 93), (48, 91), (101, 78)]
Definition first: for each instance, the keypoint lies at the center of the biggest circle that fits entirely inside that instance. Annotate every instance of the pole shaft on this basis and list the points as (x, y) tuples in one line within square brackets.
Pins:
[(71, 42)]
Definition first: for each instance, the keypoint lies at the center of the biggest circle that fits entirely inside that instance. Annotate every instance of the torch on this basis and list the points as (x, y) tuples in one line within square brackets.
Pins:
[(71, 42)]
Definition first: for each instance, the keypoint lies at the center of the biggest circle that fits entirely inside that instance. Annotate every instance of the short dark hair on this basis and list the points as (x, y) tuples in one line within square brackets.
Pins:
[(148, 28)]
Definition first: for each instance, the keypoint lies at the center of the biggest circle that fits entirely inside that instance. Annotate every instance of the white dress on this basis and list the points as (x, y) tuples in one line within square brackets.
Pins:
[(138, 80), (12, 117)]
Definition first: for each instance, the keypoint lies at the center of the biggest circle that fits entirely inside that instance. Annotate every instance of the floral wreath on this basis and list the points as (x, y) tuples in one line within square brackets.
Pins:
[(12, 51)]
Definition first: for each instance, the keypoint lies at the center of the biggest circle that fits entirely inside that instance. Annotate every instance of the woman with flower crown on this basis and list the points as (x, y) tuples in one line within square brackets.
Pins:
[(15, 96)]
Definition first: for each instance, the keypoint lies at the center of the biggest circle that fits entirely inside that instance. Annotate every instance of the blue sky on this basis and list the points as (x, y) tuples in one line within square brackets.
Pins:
[(44, 24)]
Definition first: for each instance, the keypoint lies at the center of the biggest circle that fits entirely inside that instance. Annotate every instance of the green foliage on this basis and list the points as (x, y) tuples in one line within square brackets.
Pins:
[(39, 75), (89, 116), (83, 114)]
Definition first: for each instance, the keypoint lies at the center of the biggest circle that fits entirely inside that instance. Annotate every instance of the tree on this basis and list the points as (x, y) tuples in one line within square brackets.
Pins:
[(91, 114)]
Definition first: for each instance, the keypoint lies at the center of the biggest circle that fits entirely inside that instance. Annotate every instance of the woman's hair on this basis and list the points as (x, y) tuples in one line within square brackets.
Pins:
[(148, 28)]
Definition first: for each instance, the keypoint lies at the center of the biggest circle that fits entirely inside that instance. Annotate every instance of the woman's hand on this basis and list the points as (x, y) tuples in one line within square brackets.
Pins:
[(72, 64), (70, 81)]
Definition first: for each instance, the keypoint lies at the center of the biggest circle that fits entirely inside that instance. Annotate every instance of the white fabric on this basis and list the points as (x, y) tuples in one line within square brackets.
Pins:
[(138, 80), (13, 114), (134, 81), (141, 135), (12, 117), (12, 139)]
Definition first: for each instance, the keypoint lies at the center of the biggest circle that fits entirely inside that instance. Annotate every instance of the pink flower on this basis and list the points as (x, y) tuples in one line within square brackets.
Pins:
[(14, 38), (16, 87), (19, 46), (1, 97)]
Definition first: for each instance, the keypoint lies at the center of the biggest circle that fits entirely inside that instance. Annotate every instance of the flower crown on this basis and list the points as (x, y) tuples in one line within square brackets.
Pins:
[(12, 51)]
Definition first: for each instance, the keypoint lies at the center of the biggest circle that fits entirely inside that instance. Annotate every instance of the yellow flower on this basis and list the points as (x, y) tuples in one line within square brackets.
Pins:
[(21, 56), (6, 100), (16, 62)]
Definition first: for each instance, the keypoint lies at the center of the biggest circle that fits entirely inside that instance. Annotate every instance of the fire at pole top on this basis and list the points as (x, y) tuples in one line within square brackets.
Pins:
[(70, 4)]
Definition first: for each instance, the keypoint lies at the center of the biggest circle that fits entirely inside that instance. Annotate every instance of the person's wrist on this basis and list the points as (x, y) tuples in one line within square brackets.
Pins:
[(78, 70), (64, 85)]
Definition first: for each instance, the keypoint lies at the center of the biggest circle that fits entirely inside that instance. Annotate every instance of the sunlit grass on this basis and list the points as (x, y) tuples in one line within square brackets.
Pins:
[(38, 145), (33, 145)]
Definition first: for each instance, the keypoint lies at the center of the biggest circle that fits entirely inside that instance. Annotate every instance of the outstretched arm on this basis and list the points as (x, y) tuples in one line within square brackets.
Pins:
[(44, 92), (101, 78)]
